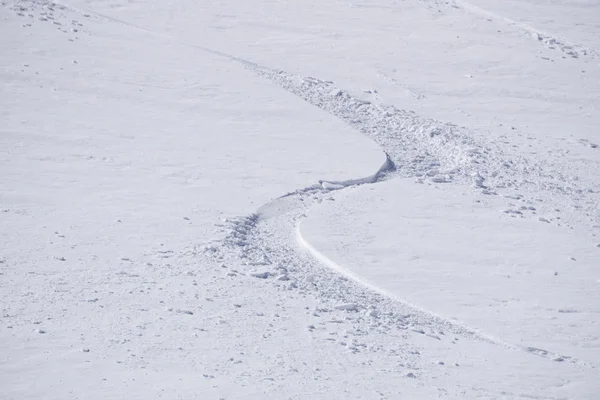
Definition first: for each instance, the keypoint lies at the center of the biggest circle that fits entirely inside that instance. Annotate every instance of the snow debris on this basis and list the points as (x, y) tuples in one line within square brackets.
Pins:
[(346, 306)]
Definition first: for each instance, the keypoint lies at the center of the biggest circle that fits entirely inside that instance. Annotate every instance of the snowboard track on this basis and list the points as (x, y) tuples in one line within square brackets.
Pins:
[(444, 154), (421, 148)]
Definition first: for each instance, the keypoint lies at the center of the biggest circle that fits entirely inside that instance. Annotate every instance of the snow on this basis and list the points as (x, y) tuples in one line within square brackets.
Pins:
[(384, 199), (466, 259)]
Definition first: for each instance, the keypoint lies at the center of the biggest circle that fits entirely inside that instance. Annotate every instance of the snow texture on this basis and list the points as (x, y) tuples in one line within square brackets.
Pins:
[(230, 200)]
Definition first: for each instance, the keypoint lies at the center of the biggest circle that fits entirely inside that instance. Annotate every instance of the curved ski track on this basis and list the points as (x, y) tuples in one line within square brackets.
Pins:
[(422, 148)]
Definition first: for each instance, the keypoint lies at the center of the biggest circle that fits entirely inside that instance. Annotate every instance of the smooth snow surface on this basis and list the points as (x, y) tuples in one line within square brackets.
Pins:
[(299, 199)]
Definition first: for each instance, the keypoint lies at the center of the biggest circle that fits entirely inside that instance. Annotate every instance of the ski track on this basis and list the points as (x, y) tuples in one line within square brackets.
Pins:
[(547, 40), (429, 151)]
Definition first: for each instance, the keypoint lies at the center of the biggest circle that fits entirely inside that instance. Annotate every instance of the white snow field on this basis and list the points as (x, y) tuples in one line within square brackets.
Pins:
[(300, 199)]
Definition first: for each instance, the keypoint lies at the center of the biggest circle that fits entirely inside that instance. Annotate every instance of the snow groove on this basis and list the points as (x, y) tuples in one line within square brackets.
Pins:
[(323, 259), (453, 326), (267, 242), (417, 147), (437, 152)]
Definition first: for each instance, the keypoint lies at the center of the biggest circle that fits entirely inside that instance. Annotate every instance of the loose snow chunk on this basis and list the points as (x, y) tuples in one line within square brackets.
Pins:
[(261, 275), (346, 306), (371, 313), (312, 80), (331, 186)]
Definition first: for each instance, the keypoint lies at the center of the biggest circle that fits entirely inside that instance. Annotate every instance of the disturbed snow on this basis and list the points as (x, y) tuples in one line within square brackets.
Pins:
[(126, 269)]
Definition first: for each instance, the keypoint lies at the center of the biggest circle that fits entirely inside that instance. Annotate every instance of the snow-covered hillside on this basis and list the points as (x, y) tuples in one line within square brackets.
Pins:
[(233, 199)]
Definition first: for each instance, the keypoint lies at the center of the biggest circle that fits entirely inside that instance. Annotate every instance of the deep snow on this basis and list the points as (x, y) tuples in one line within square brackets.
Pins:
[(383, 199)]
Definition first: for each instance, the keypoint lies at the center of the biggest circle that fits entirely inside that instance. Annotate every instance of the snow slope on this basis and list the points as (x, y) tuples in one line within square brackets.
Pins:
[(159, 159)]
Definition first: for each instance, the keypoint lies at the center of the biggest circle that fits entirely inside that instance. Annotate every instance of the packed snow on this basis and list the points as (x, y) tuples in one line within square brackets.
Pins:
[(286, 200)]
